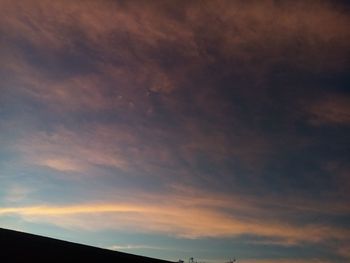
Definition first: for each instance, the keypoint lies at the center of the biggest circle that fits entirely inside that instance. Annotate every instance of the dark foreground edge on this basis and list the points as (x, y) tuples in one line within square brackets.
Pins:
[(22, 247)]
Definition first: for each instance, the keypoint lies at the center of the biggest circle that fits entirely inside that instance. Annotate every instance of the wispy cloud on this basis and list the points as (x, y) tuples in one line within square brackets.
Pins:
[(69, 151), (132, 246), (172, 218), (331, 109), (17, 193)]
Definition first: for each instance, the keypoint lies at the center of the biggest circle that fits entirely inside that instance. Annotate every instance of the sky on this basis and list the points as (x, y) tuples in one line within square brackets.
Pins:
[(178, 129)]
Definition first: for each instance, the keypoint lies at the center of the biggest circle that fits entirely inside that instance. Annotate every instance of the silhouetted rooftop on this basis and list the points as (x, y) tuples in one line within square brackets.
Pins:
[(23, 247)]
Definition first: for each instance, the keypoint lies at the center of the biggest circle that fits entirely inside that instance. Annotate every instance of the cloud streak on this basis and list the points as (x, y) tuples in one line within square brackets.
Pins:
[(172, 218)]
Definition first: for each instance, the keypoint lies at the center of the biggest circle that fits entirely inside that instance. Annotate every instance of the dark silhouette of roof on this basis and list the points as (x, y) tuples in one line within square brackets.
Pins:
[(23, 247)]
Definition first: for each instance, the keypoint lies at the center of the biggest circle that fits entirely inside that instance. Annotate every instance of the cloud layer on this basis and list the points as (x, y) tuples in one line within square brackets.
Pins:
[(145, 116)]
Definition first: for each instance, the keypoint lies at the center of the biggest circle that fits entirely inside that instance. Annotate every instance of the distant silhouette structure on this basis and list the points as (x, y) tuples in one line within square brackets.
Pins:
[(22, 247)]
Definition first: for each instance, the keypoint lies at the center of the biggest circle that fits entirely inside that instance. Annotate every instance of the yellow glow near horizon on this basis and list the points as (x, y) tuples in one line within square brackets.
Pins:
[(177, 220)]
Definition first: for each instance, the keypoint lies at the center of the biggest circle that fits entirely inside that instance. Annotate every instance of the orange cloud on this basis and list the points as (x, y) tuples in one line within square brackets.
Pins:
[(173, 218), (69, 151), (65, 165)]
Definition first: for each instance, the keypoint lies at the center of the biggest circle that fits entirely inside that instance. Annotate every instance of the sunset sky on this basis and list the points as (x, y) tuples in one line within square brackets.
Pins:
[(178, 129)]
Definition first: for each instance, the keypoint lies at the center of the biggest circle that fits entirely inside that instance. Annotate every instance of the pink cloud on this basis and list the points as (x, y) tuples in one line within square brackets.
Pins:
[(331, 109)]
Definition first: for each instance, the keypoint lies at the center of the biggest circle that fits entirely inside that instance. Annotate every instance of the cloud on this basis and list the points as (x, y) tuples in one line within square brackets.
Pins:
[(17, 193), (331, 109), (131, 43), (188, 220), (64, 165), (159, 93), (65, 150), (56, 45), (132, 246), (343, 250)]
